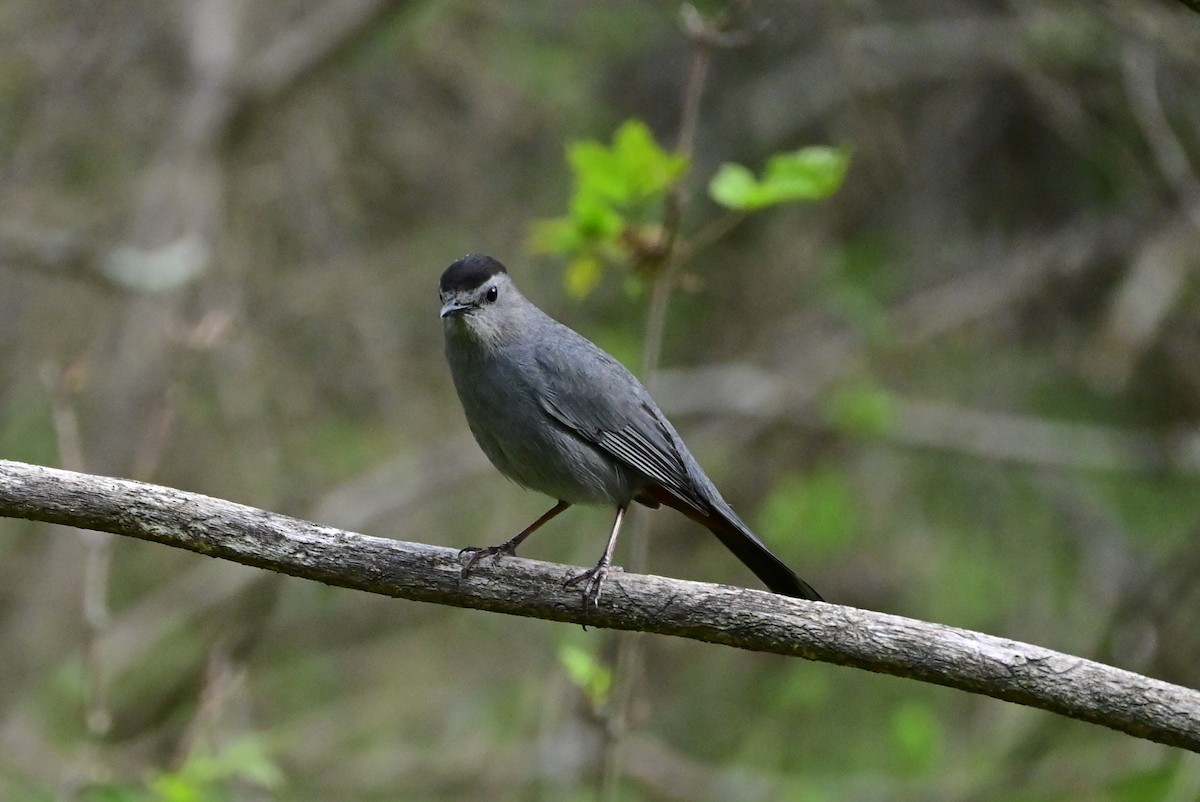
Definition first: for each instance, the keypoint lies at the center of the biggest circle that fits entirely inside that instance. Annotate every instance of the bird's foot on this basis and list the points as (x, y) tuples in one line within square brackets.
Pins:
[(592, 581), (476, 553)]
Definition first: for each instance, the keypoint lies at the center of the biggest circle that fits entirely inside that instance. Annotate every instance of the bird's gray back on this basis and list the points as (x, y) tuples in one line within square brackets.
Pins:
[(503, 389), (557, 414), (592, 393)]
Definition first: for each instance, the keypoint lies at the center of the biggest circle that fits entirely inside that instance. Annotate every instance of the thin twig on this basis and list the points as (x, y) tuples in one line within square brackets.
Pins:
[(1141, 87), (97, 564), (628, 651), (712, 232)]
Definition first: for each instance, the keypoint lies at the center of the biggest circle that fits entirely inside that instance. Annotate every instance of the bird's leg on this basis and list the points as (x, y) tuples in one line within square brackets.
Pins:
[(508, 547), (593, 578)]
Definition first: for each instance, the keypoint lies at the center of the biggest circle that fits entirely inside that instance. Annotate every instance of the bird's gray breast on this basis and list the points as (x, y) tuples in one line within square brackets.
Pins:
[(503, 392)]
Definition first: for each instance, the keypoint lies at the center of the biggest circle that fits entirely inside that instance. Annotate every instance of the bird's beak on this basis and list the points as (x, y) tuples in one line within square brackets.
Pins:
[(454, 308)]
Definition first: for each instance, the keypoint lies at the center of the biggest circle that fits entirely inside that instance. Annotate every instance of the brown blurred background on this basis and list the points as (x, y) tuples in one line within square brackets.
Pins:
[(966, 388)]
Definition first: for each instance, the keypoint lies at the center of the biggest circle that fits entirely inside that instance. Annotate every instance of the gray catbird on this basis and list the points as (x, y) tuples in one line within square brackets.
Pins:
[(556, 414)]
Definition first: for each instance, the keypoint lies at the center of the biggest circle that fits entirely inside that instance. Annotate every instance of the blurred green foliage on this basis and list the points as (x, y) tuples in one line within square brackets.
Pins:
[(860, 407), (918, 736), (617, 194), (209, 777), (616, 210), (1009, 187), (588, 673), (238, 770), (816, 508), (858, 284)]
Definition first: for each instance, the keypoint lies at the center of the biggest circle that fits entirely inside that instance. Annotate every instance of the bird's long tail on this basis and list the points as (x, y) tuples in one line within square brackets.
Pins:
[(737, 537)]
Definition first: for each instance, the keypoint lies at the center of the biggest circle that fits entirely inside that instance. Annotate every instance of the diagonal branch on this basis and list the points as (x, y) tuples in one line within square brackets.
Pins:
[(324, 34), (748, 619)]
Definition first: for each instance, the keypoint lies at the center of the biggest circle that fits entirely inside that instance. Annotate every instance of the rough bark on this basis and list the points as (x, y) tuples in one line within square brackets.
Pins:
[(747, 619)]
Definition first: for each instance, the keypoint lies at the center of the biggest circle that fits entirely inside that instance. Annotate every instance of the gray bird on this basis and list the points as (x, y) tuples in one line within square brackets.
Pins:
[(556, 414)]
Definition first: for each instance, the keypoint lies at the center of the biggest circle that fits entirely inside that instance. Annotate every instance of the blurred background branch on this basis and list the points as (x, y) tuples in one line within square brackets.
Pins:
[(965, 388)]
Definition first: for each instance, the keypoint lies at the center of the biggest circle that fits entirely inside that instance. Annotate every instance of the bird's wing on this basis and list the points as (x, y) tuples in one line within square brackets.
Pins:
[(593, 396), (597, 398)]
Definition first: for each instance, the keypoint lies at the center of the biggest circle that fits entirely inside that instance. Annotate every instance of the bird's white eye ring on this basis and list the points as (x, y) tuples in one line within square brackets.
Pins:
[(492, 293)]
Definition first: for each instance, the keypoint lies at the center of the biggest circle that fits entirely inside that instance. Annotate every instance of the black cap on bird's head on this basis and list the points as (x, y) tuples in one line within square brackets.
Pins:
[(470, 272), (472, 284)]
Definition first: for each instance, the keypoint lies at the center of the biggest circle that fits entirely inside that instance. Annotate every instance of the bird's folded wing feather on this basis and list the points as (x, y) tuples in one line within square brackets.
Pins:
[(634, 433)]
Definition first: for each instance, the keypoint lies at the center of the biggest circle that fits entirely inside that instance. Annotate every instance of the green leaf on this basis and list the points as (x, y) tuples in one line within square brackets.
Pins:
[(176, 788), (205, 776), (616, 188), (634, 168), (597, 177), (595, 220), (646, 169), (811, 173), (733, 186), (589, 674)]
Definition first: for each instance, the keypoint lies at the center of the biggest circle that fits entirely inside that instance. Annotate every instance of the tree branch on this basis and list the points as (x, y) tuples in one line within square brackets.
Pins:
[(748, 619), (749, 390), (324, 34), (1194, 5)]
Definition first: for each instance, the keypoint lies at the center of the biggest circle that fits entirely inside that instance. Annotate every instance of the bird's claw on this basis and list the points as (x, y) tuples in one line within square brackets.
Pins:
[(593, 582), (477, 553)]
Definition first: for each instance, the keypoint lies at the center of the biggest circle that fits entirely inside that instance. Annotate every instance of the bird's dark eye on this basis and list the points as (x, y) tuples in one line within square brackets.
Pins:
[(492, 293)]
